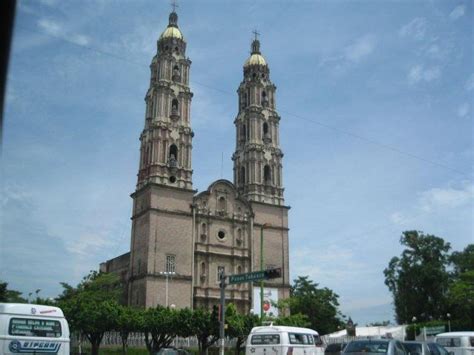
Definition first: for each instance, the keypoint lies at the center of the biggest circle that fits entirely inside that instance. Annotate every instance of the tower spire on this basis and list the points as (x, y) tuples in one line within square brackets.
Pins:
[(174, 5), (256, 43), (173, 19)]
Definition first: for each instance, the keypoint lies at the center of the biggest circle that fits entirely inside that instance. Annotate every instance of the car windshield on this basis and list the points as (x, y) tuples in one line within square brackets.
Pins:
[(333, 347), (367, 347), (413, 347), (449, 342)]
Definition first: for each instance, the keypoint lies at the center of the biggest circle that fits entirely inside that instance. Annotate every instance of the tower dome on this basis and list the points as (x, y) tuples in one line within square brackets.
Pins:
[(256, 58), (172, 31)]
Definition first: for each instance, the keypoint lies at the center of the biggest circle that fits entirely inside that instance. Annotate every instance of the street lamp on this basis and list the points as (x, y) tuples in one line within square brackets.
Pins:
[(414, 327), (265, 225), (448, 315), (167, 274)]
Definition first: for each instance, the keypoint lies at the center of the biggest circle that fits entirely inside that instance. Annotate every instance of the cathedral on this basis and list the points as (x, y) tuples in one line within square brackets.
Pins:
[(182, 240)]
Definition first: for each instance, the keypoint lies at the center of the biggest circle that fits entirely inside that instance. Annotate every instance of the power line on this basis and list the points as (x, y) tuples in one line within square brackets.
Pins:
[(319, 123)]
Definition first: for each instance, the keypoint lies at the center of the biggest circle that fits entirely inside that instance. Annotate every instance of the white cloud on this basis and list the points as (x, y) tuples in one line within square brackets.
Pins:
[(49, 2), (415, 29), (457, 12), (397, 218), (419, 73), (438, 199), (53, 28), (449, 197), (463, 110), (361, 48), (470, 83), (89, 244), (80, 40), (50, 27), (347, 267)]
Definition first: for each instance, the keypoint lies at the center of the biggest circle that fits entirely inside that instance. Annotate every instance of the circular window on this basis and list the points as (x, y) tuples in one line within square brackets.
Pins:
[(172, 179), (221, 235)]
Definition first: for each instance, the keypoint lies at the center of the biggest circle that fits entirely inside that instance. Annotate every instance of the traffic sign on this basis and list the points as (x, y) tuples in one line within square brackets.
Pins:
[(255, 276), (435, 330), (248, 277), (273, 273)]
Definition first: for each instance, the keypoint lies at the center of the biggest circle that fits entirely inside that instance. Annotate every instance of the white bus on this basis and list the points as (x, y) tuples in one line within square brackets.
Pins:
[(33, 329), (282, 340), (458, 343)]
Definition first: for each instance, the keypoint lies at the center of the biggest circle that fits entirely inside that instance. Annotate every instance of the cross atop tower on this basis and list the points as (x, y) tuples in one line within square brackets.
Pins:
[(174, 5), (256, 34)]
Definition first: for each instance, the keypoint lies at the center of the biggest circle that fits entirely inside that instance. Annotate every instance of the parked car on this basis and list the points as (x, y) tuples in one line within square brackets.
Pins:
[(459, 343), (33, 329), (282, 340), (417, 347), (172, 351), (375, 347), (334, 348), (437, 349)]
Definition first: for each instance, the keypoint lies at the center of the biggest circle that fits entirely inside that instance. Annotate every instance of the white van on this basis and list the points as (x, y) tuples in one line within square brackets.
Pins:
[(458, 343), (282, 340), (33, 329)]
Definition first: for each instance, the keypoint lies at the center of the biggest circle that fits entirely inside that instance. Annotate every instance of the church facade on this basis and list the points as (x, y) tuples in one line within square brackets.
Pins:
[(181, 240)]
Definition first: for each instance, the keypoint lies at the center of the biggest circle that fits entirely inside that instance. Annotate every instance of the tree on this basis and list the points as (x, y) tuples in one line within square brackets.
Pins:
[(318, 305), (11, 296), (127, 321), (239, 325), (418, 279), (293, 320), (461, 290), (463, 261), (92, 307), (205, 326), (161, 325)]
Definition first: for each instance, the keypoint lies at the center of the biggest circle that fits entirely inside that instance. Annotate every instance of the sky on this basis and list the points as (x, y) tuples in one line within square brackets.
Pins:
[(376, 105)]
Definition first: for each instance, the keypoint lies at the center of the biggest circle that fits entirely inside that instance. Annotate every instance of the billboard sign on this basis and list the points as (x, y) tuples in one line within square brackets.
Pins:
[(270, 297)]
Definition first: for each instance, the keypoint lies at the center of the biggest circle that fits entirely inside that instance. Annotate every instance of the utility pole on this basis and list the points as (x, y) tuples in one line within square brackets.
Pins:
[(167, 274), (222, 313), (265, 225)]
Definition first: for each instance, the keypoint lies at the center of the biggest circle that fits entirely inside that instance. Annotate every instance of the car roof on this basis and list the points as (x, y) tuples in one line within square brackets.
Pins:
[(282, 328), (414, 342), (456, 334), (27, 309), (371, 340)]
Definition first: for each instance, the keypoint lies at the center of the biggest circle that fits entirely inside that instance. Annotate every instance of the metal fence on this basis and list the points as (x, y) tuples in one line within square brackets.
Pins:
[(137, 339)]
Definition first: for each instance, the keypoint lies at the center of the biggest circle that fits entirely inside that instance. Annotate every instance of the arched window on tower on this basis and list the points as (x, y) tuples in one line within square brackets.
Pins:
[(239, 237), (242, 175), (203, 270), (264, 99), (173, 156), (267, 175), (243, 133), (221, 204), (176, 73), (175, 109), (267, 137), (243, 100)]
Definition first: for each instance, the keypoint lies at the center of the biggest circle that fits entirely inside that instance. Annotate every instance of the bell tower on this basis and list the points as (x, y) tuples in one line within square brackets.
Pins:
[(161, 243), (258, 158), (166, 141)]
